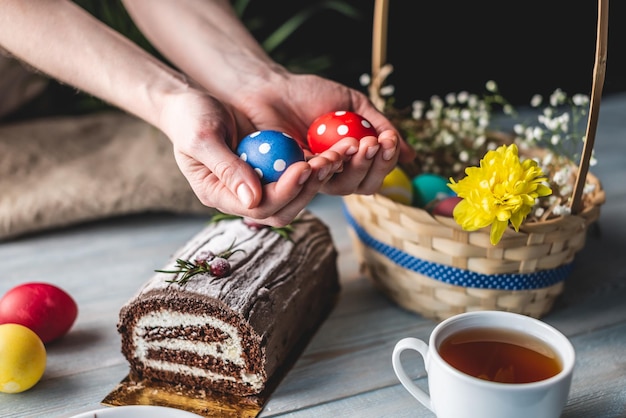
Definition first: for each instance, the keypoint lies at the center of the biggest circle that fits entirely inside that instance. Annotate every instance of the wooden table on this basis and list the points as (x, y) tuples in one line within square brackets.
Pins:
[(345, 371)]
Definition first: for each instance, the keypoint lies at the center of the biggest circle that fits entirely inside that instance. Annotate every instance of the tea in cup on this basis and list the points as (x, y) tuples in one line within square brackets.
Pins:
[(492, 364)]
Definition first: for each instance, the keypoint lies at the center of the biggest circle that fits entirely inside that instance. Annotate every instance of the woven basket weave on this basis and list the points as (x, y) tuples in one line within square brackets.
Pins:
[(429, 265)]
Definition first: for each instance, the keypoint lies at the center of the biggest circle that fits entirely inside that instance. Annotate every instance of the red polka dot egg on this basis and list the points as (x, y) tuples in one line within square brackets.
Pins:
[(269, 153), (331, 127)]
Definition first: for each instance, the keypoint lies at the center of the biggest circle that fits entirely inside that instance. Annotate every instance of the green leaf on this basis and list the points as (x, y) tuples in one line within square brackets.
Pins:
[(284, 31)]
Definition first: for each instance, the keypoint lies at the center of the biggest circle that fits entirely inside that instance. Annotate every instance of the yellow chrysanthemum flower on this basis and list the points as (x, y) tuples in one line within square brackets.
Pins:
[(502, 190)]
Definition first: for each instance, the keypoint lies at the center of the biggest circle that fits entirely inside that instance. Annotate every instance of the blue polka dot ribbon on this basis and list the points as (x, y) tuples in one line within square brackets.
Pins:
[(461, 277)]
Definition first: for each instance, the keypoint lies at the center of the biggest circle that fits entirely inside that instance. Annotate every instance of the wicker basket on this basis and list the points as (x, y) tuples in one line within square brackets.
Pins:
[(429, 265)]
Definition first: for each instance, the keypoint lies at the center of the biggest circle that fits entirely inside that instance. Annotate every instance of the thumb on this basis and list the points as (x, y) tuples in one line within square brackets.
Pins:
[(234, 174)]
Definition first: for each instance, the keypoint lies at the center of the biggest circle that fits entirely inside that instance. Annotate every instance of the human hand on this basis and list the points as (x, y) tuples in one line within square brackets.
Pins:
[(292, 102), (204, 133)]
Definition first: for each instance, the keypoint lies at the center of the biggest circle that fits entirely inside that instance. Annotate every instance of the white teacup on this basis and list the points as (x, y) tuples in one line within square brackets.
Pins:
[(456, 394)]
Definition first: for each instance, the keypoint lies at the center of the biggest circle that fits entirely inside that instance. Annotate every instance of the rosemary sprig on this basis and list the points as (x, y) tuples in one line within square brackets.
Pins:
[(283, 231), (188, 270), (216, 265)]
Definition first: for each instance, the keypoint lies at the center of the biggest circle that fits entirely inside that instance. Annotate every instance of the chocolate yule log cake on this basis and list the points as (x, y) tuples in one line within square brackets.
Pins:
[(227, 310)]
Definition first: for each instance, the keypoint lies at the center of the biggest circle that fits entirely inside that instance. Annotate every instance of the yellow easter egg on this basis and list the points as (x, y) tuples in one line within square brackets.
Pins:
[(22, 358), (397, 187)]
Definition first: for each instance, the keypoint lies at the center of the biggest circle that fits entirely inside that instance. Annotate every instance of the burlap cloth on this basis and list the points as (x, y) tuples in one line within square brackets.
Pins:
[(61, 171)]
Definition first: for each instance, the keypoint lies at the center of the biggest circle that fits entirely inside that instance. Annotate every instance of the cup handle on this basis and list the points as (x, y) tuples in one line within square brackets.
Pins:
[(422, 348)]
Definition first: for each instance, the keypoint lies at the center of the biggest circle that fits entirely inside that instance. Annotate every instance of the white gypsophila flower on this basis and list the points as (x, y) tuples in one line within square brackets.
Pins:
[(566, 190), (491, 146), (560, 177), (418, 109), (547, 159), (518, 129), (462, 97), (463, 156), (491, 86), (536, 100), (387, 91), (436, 102), (555, 139), (561, 210), (550, 123), (473, 101), (508, 109), (457, 167), (529, 134), (480, 141), (453, 113), (563, 122), (466, 114), (558, 97), (536, 133), (539, 211), (483, 121), (432, 114), (593, 161), (580, 99), (450, 99), (448, 138), (589, 188), (418, 104), (548, 112), (365, 79)]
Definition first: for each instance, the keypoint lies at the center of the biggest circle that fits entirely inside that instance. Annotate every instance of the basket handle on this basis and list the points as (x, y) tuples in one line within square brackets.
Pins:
[(380, 71), (599, 71)]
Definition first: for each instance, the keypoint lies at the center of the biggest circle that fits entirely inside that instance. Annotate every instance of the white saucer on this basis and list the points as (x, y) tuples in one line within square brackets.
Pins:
[(136, 411)]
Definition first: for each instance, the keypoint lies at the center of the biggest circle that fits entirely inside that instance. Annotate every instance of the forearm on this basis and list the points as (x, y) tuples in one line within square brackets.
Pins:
[(65, 42), (206, 40)]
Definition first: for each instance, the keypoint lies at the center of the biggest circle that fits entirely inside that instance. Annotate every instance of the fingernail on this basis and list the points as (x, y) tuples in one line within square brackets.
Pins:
[(371, 152), (245, 195), (321, 175), (388, 154), (352, 150), (304, 177)]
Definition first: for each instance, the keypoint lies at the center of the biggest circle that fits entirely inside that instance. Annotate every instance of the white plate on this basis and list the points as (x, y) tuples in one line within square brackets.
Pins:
[(136, 411)]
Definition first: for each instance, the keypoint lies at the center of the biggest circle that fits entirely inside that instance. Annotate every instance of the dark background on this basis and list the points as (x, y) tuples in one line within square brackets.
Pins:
[(440, 46), (436, 47)]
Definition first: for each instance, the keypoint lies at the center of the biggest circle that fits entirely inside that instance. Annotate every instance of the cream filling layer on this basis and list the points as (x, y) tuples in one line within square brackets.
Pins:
[(228, 350)]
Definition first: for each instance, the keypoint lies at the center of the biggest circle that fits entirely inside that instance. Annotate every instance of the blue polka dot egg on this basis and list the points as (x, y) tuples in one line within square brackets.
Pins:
[(269, 153)]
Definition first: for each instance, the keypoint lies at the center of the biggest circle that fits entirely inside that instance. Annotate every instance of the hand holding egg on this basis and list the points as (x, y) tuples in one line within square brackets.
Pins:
[(269, 153), (331, 127)]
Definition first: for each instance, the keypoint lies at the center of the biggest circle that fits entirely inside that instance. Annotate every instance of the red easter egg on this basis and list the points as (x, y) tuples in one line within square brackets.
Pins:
[(327, 129), (45, 309), (445, 207)]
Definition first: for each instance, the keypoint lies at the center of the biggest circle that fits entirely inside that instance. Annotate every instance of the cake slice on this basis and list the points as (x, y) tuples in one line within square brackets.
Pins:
[(231, 334)]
